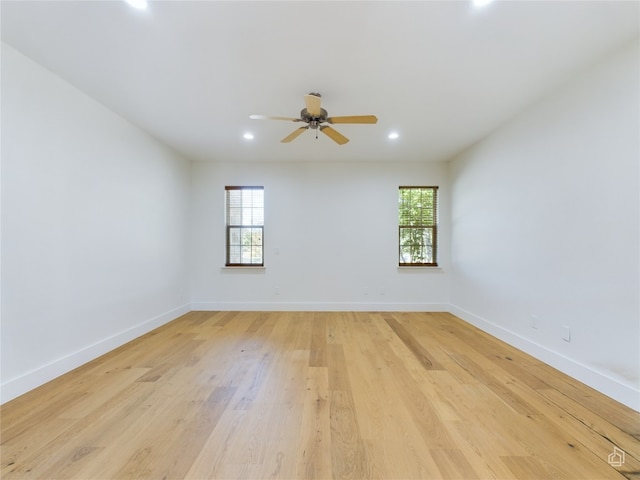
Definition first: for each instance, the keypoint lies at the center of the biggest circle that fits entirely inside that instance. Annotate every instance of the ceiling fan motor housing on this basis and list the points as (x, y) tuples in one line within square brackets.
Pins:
[(312, 120), (314, 116)]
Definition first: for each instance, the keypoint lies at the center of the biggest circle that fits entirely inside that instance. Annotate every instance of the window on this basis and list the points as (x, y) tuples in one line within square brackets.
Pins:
[(418, 226), (245, 226)]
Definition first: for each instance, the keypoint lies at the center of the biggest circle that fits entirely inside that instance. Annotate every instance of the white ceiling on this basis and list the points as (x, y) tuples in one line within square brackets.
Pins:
[(441, 73)]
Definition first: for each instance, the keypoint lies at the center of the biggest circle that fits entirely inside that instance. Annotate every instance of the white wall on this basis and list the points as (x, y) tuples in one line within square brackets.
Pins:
[(107, 234), (330, 238), (545, 222), (94, 226)]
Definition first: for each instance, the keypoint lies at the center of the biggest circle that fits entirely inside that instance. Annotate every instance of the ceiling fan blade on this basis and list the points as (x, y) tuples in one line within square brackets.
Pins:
[(313, 105), (293, 135), (334, 135), (266, 117), (354, 119)]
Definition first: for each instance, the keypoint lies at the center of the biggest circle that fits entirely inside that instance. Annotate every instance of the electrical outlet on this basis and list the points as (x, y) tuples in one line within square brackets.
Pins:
[(277, 291), (566, 333), (533, 321)]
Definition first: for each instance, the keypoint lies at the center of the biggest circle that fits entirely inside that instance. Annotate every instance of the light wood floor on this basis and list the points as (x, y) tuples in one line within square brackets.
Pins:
[(257, 395)]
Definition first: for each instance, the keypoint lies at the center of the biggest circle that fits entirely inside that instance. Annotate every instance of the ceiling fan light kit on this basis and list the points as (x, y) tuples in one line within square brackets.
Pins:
[(315, 116)]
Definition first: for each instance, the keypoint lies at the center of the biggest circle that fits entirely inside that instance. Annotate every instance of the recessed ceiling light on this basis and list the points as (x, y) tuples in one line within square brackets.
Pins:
[(481, 3), (138, 4), (248, 136), (393, 135)]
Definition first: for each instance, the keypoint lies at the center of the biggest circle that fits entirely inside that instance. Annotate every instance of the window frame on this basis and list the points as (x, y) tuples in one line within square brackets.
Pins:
[(428, 226), (229, 227)]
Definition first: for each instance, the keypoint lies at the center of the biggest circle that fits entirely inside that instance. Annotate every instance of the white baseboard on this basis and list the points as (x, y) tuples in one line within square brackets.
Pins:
[(623, 393), (15, 387), (318, 307)]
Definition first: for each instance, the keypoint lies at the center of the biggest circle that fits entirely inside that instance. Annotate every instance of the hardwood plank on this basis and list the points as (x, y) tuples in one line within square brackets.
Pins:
[(210, 460), (606, 434), (108, 421), (316, 395), (284, 419), (423, 356), (27, 420), (382, 414), (502, 391), (318, 347), (249, 391), (347, 447), (416, 401), (526, 467), (453, 464), (616, 414), (188, 441), (183, 350), (314, 458), (224, 318)]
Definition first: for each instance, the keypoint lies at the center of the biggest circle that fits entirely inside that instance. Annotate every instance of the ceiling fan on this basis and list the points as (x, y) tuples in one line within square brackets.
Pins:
[(315, 116)]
